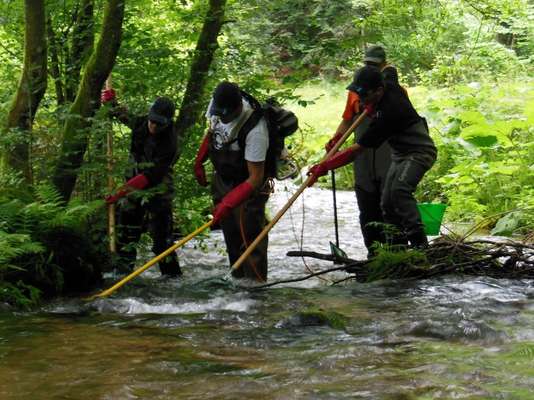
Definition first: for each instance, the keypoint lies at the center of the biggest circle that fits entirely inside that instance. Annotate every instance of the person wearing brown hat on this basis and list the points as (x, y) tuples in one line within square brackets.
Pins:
[(375, 56), (395, 121), (371, 167), (239, 184), (154, 150)]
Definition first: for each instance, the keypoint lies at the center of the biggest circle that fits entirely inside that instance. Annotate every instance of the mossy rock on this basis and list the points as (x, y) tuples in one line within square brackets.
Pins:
[(314, 317)]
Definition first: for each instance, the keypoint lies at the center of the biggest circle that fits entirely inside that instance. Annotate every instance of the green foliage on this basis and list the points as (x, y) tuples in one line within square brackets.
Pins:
[(391, 263), (484, 60), (15, 245), (320, 36), (35, 235), (527, 351), (485, 140), (19, 294)]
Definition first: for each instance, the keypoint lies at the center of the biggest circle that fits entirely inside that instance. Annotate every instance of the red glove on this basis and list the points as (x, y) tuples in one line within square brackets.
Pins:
[(339, 159), (332, 142), (202, 155), (138, 182), (369, 108), (232, 199), (107, 95)]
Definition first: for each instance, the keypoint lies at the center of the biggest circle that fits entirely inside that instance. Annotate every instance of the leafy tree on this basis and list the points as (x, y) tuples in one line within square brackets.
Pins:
[(31, 88), (98, 68)]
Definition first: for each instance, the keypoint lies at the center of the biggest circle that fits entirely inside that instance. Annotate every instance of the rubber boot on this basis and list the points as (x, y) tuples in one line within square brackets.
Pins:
[(170, 266), (418, 240)]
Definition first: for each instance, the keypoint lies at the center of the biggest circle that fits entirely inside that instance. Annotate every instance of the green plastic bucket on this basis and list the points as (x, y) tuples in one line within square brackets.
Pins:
[(431, 215)]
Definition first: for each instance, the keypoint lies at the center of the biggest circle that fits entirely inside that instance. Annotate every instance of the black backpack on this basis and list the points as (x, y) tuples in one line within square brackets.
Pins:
[(281, 123)]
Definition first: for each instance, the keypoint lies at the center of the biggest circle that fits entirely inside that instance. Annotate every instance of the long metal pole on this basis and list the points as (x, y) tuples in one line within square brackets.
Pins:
[(336, 225)]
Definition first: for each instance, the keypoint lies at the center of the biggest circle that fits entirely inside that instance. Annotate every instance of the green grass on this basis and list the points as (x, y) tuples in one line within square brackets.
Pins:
[(324, 115), (319, 120)]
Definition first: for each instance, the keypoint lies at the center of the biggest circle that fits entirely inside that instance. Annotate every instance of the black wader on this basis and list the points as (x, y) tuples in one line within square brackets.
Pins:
[(245, 222), (370, 170), (406, 171), (153, 156), (132, 217), (412, 153)]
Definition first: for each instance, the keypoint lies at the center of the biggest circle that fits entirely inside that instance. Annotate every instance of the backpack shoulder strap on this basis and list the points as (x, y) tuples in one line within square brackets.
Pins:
[(252, 120)]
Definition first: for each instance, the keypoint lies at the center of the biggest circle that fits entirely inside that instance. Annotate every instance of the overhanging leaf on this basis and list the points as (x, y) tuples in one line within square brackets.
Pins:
[(480, 135), (507, 224), (472, 118)]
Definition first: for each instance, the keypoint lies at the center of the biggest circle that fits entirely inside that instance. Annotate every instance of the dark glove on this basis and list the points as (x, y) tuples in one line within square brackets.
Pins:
[(198, 168), (108, 95), (332, 142), (138, 182), (339, 159), (233, 199)]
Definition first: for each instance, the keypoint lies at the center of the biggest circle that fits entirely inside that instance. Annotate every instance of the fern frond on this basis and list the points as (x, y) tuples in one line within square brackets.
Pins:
[(13, 245), (48, 194), (9, 212)]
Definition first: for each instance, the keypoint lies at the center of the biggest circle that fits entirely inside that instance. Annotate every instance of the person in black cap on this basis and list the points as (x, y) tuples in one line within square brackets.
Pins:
[(236, 144), (413, 151), (153, 152), (371, 167)]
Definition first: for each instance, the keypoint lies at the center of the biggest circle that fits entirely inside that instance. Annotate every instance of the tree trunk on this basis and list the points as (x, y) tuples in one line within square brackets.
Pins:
[(81, 46), (202, 59), (31, 89), (87, 101), (55, 71)]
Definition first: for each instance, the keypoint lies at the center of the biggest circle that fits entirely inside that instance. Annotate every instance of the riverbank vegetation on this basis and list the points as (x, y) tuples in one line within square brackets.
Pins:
[(466, 65)]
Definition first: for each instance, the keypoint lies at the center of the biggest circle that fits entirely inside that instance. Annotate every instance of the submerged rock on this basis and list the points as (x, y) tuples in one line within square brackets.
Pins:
[(313, 317)]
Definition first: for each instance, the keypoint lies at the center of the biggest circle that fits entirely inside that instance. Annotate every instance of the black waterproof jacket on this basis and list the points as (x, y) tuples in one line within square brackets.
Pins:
[(151, 155), (397, 121)]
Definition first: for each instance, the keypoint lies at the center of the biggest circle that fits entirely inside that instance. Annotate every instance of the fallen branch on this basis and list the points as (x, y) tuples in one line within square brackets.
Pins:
[(446, 255)]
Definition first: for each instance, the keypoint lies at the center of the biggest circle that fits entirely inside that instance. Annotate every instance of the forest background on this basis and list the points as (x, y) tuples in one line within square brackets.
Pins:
[(467, 66)]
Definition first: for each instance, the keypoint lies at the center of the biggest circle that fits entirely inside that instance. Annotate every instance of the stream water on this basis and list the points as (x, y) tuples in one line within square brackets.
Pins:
[(203, 338)]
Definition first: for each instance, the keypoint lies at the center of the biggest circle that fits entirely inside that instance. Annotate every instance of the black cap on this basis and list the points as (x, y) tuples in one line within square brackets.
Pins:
[(375, 54), (365, 79), (226, 99), (162, 111)]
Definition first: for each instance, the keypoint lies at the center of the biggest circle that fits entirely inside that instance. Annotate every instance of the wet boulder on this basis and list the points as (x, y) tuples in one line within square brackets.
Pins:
[(313, 317)]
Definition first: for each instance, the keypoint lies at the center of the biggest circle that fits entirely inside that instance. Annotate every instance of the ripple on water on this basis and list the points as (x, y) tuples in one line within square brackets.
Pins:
[(236, 303)]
